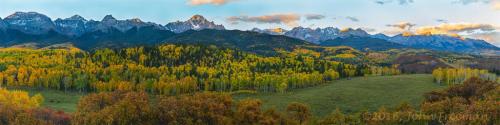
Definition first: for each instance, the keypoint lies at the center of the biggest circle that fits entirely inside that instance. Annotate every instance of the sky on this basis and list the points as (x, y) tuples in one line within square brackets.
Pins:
[(462, 18)]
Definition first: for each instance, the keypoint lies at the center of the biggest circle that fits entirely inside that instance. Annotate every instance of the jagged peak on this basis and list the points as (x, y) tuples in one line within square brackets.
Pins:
[(108, 18), (381, 35), (255, 29), (135, 20), (301, 28), (198, 18), (76, 17), (346, 29), (278, 30)]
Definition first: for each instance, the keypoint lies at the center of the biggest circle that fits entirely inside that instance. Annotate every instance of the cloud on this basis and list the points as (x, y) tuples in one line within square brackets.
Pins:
[(381, 2), (354, 19), (465, 2), (203, 2), (441, 21), (491, 37), (496, 5), (400, 2), (487, 32), (402, 25), (314, 17), (367, 29), (455, 28), (288, 19)]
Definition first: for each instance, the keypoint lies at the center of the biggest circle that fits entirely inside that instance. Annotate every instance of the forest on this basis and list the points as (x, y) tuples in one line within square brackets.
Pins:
[(173, 69), (193, 85)]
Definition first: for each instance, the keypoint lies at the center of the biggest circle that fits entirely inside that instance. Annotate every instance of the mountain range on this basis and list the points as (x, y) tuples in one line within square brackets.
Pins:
[(348, 35), (33, 27)]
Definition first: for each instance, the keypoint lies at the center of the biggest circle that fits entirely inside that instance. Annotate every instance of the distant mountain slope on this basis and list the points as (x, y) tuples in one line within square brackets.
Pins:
[(30, 22), (244, 40), (431, 42), (363, 43), (446, 43), (11, 37), (276, 31), (315, 35), (418, 63), (114, 38), (3, 25)]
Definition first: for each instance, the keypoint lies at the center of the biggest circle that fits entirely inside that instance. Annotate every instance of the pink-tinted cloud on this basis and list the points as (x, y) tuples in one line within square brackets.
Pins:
[(496, 5), (288, 19), (203, 2), (491, 37), (454, 29)]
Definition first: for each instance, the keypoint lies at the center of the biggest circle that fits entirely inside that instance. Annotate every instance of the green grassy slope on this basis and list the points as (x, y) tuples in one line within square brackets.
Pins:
[(58, 100), (357, 94)]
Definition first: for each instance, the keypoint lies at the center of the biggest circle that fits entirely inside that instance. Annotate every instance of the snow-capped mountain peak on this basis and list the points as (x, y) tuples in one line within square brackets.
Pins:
[(77, 17), (29, 22), (197, 22), (275, 31), (322, 34), (72, 26), (108, 18)]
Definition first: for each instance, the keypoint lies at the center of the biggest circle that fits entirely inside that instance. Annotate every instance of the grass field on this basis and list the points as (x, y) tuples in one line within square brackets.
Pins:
[(59, 100), (357, 94)]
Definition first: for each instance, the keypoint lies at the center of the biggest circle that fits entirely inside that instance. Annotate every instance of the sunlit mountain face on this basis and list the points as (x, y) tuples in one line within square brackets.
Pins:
[(249, 62)]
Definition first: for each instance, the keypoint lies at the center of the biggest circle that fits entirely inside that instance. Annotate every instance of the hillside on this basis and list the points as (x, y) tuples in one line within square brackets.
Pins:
[(149, 36), (114, 38), (248, 41), (357, 94), (344, 94)]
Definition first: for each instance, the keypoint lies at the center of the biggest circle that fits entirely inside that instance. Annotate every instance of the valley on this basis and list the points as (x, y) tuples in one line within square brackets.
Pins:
[(83, 71), (350, 96)]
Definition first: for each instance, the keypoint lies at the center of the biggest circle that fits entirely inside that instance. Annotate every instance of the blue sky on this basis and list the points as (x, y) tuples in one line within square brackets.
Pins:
[(374, 15)]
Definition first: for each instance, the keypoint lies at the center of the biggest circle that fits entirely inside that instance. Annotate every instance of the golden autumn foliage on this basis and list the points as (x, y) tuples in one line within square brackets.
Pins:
[(473, 102), (345, 56), (18, 108), (19, 99), (117, 108), (452, 76), (170, 69)]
